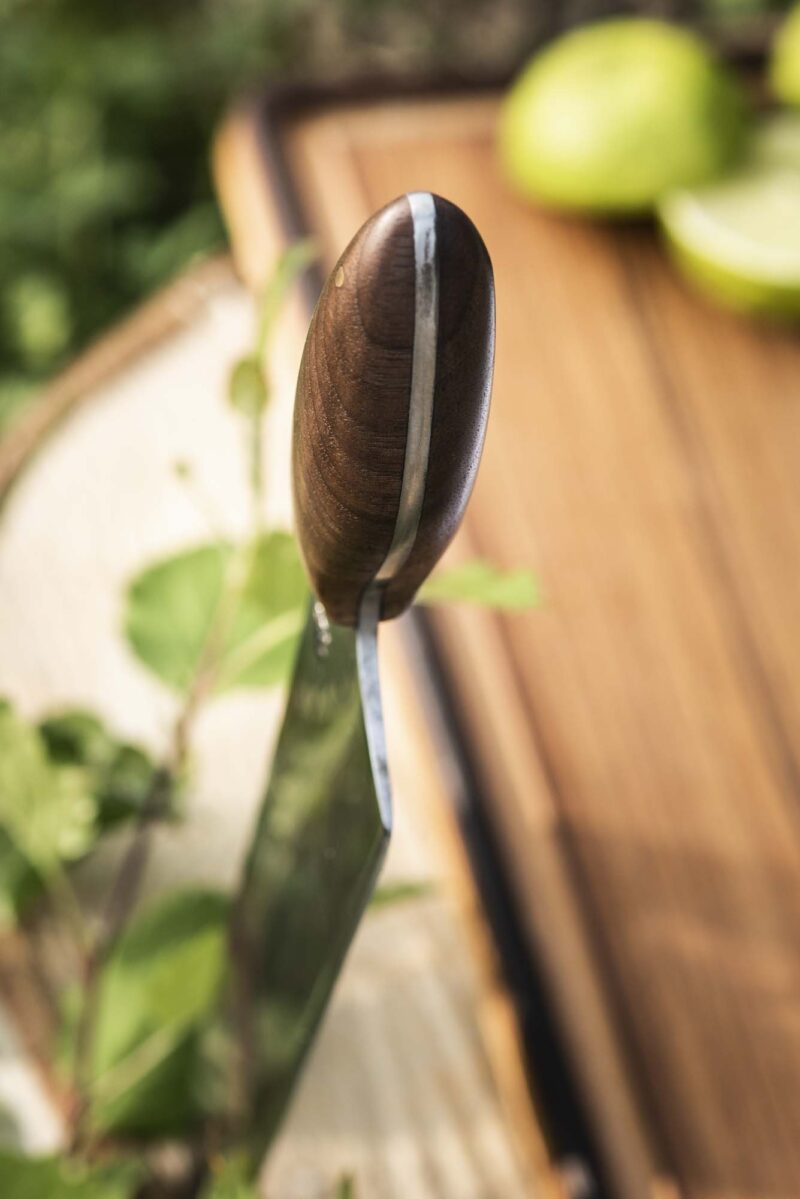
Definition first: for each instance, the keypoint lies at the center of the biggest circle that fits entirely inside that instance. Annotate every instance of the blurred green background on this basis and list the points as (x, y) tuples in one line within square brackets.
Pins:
[(106, 113)]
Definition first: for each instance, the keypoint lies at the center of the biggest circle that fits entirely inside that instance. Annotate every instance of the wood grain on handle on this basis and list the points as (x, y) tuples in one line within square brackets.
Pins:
[(388, 431)]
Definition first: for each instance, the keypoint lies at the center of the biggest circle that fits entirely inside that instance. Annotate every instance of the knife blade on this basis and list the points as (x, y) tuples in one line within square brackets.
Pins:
[(390, 417)]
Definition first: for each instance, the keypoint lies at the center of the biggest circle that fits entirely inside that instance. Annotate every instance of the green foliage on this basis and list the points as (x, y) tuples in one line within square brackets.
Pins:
[(247, 389), (37, 318), (59, 1178), (176, 608), (47, 811), (127, 785), (122, 777), (232, 1179), (170, 609), (158, 990), (107, 112), (78, 738), (479, 582), (389, 894), (62, 785), (346, 1187)]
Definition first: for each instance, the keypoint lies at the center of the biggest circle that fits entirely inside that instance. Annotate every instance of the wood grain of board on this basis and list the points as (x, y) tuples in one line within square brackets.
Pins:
[(639, 735)]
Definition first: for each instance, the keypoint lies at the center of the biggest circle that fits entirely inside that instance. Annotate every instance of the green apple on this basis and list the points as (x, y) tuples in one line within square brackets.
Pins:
[(784, 64), (610, 116), (738, 238)]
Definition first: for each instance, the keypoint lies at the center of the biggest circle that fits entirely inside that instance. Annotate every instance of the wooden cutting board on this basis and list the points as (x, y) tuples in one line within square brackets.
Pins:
[(638, 737)]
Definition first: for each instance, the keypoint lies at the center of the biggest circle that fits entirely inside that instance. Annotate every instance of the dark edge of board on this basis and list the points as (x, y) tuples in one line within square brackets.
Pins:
[(568, 1124)]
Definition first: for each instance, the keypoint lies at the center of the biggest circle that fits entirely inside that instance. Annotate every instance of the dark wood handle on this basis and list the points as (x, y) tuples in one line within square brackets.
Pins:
[(392, 402)]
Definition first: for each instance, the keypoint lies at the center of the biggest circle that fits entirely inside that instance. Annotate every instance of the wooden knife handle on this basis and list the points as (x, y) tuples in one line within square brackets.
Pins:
[(392, 402)]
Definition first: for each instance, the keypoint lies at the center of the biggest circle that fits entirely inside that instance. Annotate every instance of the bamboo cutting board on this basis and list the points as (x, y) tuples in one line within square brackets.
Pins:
[(638, 737)]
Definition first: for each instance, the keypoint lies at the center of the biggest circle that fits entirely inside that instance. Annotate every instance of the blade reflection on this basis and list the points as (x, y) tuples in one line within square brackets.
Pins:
[(319, 843)]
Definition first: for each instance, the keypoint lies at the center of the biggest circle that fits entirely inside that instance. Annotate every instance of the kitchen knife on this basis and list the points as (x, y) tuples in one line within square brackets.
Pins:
[(390, 416)]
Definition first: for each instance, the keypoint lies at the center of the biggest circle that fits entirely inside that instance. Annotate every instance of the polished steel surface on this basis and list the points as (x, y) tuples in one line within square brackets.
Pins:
[(423, 378), (317, 850), (369, 680)]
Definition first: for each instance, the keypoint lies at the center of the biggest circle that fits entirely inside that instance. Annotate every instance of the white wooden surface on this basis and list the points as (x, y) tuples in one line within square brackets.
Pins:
[(397, 1090)]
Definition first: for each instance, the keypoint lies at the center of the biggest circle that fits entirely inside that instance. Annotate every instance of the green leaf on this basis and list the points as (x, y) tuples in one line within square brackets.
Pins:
[(121, 777), (480, 582), (247, 388), (231, 1179), (170, 609), (37, 311), (78, 738), (261, 649), (84, 780), (389, 894), (58, 1178), (158, 989), (46, 810), (128, 785), (173, 606), (64, 809), (346, 1187)]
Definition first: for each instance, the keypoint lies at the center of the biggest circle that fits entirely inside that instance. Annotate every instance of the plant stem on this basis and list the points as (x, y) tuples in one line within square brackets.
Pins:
[(128, 881), (256, 472), (117, 912), (62, 891)]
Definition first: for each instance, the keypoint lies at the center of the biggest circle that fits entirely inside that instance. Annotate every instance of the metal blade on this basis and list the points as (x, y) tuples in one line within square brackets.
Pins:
[(318, 846)]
